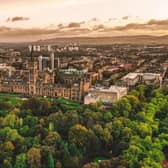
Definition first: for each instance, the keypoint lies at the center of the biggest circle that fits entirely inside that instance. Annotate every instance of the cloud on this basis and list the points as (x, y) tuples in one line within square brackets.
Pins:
[(41, 32), (112, 19), (125, 17), (133, 26), (94, 19), (60, 26), (98, 27), (17, 18), (73, 25), (158, 22), (152, 27), (77, 32), (7, 31)]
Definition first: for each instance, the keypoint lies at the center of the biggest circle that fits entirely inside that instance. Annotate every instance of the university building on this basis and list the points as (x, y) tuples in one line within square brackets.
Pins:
[(49, 82)]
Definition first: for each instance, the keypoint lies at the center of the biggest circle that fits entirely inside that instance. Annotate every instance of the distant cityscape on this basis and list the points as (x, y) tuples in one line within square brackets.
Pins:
[(86, 74)]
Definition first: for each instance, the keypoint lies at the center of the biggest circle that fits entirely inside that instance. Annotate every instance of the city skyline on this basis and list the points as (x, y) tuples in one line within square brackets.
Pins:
[(42, 19)]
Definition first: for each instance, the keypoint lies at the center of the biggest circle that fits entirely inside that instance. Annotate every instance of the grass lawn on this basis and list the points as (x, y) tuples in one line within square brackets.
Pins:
[(9, 95), (99, 159), (67, 104), (14, 99)]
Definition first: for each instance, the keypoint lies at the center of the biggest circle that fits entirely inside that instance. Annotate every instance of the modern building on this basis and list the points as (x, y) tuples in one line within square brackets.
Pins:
[(131, 79), (151, 78), (105, 95)]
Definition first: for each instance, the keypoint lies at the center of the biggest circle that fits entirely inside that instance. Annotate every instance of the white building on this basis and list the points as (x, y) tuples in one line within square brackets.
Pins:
[(151, 78), (40, 48), (105, 95), (131, 79), (91, 98)]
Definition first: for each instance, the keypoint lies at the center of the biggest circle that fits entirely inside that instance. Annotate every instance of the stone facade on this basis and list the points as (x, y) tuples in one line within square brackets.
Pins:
[(31, 82)]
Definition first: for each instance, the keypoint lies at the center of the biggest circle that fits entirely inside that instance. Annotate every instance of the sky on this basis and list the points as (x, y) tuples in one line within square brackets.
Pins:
[(39, 19)]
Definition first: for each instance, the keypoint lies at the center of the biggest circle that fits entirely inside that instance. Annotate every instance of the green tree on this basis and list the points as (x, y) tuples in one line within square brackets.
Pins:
[(58, 164), (7, 164), (11, 120), (124, 107), (78, 135), (52, 138), (50, 161), (34, 157), (21, 161), (91, 165)]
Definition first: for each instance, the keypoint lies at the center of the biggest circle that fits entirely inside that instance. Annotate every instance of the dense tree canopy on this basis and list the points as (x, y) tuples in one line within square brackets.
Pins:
[(58, 133)]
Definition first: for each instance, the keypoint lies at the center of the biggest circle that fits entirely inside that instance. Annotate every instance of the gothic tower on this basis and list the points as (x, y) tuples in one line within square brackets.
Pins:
[(52, 60), (33, 74)]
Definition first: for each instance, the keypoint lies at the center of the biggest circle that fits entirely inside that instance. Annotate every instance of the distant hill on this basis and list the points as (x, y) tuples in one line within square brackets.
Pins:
[(14, 45), (141, 39)]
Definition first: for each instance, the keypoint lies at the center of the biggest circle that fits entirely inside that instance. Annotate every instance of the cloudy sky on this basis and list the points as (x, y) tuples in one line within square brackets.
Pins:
[(22, 20)]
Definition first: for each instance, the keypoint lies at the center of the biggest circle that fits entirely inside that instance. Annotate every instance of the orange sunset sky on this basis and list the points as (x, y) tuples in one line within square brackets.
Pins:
[(22, 20)]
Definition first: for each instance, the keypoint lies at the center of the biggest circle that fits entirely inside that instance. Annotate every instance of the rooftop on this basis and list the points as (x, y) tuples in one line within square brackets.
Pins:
[(131, 76), (112, 88)]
